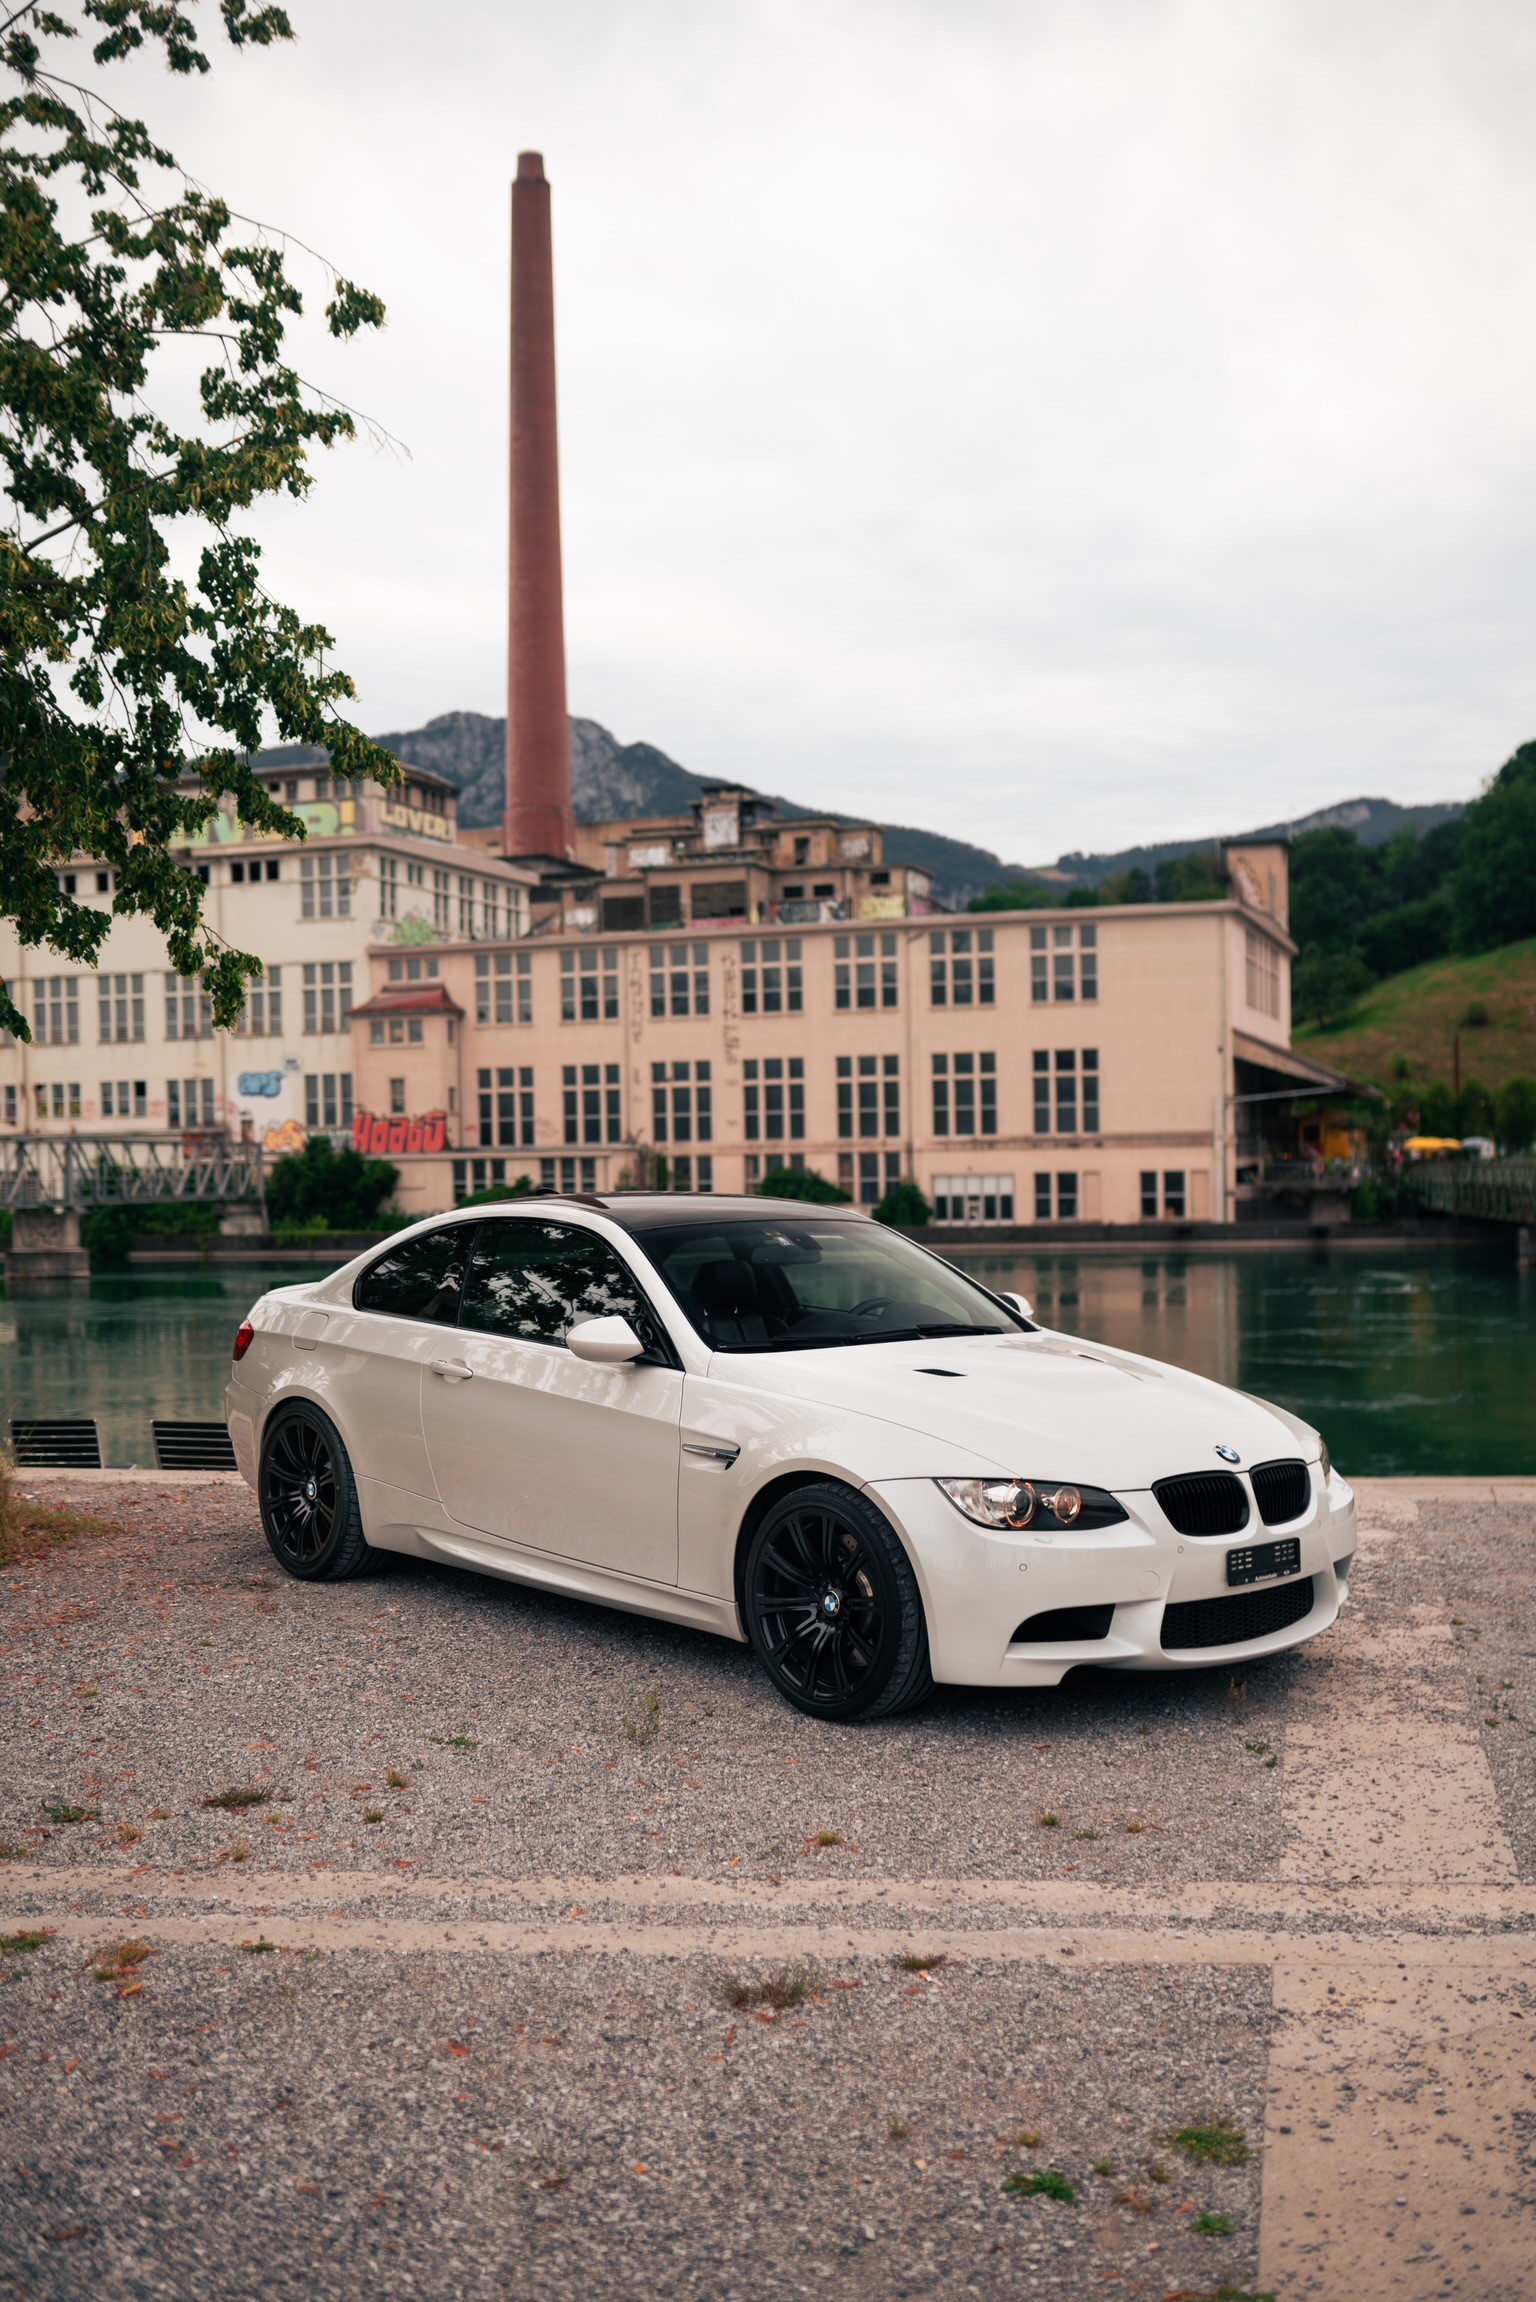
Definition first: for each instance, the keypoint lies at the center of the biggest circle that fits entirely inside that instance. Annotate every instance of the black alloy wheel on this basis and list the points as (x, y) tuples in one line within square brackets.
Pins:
[(833, 1609), (308, 1498)]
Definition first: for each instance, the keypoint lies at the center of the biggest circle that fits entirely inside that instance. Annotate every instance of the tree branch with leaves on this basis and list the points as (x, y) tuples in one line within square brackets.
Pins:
[(133, 690)]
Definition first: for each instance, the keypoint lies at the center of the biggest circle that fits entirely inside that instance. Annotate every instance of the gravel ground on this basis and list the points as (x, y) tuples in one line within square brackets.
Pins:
[(274, 2125), (144, 1672), (567, 2124)]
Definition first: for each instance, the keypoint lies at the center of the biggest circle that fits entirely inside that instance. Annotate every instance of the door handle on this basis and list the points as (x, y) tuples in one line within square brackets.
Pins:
[(454, 1370)]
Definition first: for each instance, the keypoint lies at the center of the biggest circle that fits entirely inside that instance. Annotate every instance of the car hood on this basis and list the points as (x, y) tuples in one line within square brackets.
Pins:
[(1046, 1406)]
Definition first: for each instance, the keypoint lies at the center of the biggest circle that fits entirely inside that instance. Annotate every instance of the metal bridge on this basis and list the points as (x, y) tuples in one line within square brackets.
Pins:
[(77, 1172), (1494, 1190)]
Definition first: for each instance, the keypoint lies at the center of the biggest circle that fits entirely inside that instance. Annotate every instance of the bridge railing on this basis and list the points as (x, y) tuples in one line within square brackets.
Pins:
[(83, 1171), (1497, 1190)]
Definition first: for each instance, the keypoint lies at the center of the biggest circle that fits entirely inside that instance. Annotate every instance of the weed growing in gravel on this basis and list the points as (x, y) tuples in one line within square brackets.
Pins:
[(1028, 2138), (239, 1852), (1258, 1748), (456, 1741), (236, 1798), (829, 1838), (9, 1853), (913, 1962), (396, 1780), (1227, 2292), (1133, 1826), (71, 1813), (374, 1814), (1085, 1834), (646, 1724), (1218, 2144), (129, 1834), (1213, 2225), (12, 1945), (1049, 1821), (1137, 2201), (29, 1532), (1237, 1694), (254, 1949), (786, 1986), (1104, 2166), (897, 2129), (119, 1962), (1158, 2172), (1045, 2183)]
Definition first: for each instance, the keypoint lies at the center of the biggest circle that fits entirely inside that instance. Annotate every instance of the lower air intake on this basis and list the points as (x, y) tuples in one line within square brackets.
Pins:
[(1061, 1623), (1232, 1622)]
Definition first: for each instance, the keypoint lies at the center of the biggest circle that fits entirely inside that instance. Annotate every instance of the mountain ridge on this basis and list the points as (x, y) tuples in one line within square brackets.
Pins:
[(611, 780)]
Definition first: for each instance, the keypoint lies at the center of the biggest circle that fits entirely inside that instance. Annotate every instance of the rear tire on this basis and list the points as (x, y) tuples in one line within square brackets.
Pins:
[(308, 1497), (832, 1607)]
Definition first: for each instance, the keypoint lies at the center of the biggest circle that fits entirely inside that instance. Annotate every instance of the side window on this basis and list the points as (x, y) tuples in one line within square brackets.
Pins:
[(423, 1279), (535, 1280)]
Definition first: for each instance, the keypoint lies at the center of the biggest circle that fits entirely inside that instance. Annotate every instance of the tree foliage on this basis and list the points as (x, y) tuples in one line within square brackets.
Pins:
[(1495, 892), (141, 661), (342, 1189), (904, 1204)]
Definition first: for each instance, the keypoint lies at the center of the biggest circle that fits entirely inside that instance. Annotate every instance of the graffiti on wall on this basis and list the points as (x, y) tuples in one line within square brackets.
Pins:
[(384, 1138)]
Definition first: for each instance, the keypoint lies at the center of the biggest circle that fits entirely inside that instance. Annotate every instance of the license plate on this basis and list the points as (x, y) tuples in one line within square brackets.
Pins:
[(1259, 1561)]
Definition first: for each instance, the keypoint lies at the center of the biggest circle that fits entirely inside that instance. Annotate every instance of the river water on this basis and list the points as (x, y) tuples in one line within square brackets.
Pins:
[(1406, 1362)]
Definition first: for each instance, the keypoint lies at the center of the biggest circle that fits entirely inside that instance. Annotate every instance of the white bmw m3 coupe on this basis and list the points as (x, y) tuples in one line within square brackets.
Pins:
[(786, 1424)]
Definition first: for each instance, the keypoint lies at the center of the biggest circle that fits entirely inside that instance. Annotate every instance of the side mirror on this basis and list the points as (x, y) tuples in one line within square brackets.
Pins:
[(1021, 1304), (605, 1342)]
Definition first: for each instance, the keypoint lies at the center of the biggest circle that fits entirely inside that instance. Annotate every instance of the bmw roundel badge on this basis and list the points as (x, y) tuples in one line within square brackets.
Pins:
[(1229, 1454)]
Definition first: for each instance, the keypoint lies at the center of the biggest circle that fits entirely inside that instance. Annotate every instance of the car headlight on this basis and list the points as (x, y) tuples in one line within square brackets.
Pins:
[(1019, 1503), (1326, 1460)]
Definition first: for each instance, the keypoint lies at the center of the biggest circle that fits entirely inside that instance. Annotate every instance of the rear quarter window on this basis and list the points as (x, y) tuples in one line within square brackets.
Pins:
[(423, 1278)]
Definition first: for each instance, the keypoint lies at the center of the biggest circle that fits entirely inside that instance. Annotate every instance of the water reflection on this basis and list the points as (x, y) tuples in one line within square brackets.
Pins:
[(1409, 1363)]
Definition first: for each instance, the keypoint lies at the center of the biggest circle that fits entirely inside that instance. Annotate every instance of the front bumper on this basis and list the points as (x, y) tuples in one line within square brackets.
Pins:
[(979, 1587)]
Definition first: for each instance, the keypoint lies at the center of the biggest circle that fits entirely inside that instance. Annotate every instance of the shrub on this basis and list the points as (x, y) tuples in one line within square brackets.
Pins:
[(1515, 1114), (801, 1183), (520, 1189), (905, 1204)]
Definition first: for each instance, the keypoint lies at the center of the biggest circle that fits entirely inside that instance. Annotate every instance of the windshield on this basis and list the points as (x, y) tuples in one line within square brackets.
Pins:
[(804, 1286)]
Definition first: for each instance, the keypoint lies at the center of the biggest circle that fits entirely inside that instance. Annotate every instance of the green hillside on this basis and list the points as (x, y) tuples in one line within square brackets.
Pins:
[(1415, 1014)]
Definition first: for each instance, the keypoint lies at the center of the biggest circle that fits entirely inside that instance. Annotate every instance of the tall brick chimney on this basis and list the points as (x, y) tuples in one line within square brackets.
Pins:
[(539, 818)]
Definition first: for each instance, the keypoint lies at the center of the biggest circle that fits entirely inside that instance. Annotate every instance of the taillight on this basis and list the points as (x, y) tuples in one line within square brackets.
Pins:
[(244, 1338)]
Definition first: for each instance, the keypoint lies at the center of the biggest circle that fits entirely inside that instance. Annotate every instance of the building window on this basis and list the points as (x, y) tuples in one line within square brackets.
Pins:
[(1088, 963), (1263, 972), (868, 1095), (441, 905), (680, 979), (589, 985), (504, 987), (1148, 1194), (771, 978), (1073, 1074), (56, 1010), (965, 1094), (1066, 1198), (400, 1031), (1061, 968), (389, 887), (973, 1198), (262, 1017), (879, 1172), (572, 1174), (188, 1012), (682, 1103), (773, 1099), (466, 906), (327, 995), (506, 1105), (328, 1099), (125, 1099), (413, 970), (495, 916), (325, 886), (962, 967), (593, 1103), (864, 971), (397, 1098), (189, 1102), (1173, 1193), (120, 1000), (472, 1176)]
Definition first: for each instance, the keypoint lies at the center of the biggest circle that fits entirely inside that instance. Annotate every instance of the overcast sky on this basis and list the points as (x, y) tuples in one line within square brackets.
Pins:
[(1058, 424)]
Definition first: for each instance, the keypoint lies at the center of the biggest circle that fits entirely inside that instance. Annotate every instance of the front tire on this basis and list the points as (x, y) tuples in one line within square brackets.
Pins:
[(308, 1497), (832, 1607)]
